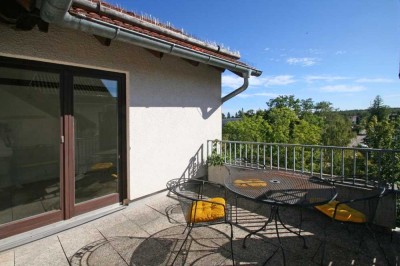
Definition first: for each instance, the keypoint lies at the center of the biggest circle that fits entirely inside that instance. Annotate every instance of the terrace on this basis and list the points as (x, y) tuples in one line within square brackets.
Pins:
[(149, 230)]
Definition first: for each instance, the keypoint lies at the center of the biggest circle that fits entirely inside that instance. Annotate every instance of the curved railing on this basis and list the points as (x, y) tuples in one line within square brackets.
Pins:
[(350, 164)]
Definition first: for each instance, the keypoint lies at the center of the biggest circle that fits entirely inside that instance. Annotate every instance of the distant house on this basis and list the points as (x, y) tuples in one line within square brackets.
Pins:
[(354, 119), (99, 106), (232, 119)]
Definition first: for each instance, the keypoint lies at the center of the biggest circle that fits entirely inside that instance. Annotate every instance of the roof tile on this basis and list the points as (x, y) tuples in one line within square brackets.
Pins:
[(90, 14)]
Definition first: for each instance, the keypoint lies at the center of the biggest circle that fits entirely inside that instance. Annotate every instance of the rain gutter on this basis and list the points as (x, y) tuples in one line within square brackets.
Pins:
[(56, 11), (238, 90)]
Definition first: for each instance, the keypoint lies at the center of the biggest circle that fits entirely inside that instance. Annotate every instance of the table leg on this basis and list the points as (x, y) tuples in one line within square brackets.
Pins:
[(275, 216), (271, 217), (290, 230)]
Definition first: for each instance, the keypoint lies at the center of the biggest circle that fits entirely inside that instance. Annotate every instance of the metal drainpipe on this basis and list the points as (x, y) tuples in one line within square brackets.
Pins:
[(242, 88)]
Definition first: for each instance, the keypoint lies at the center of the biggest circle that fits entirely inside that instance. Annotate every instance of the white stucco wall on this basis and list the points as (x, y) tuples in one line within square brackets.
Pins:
[(173, 106)]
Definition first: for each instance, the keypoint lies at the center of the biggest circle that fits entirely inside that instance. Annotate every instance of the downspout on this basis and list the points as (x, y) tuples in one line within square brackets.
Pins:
[(242, 88), (56, 11)]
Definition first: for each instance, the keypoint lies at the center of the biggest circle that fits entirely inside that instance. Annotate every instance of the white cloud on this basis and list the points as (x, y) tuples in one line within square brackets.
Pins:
[(326, 78), (235, 82), (267, 49), (342, 88), (315, 51), (261, 94), (340, 52), (374, 80), (231, 81), (279, 80), (302, 61)]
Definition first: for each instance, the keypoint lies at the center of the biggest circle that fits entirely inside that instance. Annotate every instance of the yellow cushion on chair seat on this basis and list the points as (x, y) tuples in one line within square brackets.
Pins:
[(207, 211), (344, 212)]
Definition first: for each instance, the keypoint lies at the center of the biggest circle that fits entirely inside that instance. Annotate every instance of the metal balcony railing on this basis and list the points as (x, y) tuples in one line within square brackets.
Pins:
[(348, 164)]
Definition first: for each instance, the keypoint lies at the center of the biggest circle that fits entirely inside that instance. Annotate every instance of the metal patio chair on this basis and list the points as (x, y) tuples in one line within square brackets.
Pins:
[(354, 207), (203, 203)]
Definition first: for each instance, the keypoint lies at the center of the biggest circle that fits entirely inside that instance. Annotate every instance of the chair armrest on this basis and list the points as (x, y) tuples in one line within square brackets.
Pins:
[(376, 196)]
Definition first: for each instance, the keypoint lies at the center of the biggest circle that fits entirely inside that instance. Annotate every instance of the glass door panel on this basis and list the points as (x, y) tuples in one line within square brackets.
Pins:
[(95, 111), (29, 143)]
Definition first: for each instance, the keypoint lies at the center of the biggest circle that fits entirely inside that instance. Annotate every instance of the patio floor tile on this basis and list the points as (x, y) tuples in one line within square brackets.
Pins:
[(150, 232)]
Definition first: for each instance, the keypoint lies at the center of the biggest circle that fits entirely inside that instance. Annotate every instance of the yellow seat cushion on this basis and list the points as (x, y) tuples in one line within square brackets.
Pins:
[(250, 183), (101, 166), (344, 212), (207, 211)]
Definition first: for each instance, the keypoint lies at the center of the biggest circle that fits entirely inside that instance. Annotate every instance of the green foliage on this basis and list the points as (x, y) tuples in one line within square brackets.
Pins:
[(253, 128), (378, 109), (282, 120), (336, 130), (290, 120), (386, 135), (215, 159)]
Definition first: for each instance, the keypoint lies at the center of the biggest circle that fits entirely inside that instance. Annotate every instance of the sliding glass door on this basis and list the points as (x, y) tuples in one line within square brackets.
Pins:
[(62, 144), (95, 111), (29, 144)]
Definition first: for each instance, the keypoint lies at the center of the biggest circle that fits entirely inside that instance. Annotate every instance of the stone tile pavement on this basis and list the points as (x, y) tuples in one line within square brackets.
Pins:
[(149, 232)]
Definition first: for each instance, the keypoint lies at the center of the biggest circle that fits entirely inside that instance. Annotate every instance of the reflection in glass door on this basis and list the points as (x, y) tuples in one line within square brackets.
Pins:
[(29, 143), (95, 111)]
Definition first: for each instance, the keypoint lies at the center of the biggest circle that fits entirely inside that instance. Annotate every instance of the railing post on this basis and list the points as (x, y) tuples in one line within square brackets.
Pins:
[(225, 151), (354, 166), (270, 156), (302, 160), (230, 153), (251, 156), (258, 156), (366, 167), (245, 150), (331, 162), (240, 154), (278, 156), (264, 157), (312, 161), (321, 163), (234, 149), (294, 158), (285, 158), (342, 164), (380, 166)]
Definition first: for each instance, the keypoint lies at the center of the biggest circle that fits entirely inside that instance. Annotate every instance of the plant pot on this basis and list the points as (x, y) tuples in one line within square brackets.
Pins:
[(217, 173)]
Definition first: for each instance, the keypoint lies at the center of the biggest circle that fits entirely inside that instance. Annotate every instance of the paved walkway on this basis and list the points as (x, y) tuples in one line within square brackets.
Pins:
[(149, 232)]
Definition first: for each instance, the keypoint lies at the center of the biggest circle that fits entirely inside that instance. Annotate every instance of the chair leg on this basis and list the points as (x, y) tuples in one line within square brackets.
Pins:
[(236, 208), (231, 239), (382, 250), (183, 243)]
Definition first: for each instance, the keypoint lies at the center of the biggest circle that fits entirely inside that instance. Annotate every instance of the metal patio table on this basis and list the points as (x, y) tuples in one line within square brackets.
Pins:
[(280, 188)]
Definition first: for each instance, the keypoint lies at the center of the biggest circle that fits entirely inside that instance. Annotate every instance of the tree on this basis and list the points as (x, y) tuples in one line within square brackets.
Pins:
[(228, 115), (282, 120), (378, 109), (336, 130), (285, 101), (323, 107), (385, 135), (253, 128), (306, 133)]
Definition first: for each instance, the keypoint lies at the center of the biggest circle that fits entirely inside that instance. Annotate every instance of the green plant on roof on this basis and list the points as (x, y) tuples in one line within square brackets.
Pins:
[(215, 159)]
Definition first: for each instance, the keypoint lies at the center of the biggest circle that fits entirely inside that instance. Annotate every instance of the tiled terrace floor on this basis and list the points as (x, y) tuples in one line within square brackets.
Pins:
[(149, 232)]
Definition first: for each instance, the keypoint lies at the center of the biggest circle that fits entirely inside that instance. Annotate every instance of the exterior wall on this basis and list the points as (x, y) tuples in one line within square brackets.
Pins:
[(173, 106)]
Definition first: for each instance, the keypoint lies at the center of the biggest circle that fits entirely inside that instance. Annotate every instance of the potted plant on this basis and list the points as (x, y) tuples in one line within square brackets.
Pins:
[(216, 168)]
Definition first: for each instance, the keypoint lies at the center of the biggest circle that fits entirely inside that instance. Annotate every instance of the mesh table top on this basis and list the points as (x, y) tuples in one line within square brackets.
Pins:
[(281, 188)]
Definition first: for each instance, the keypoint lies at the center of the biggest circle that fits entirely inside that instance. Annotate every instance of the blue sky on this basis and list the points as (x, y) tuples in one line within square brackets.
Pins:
[(344, 52)]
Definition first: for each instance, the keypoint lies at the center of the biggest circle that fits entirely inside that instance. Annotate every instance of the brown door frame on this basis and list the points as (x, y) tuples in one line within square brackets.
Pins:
[(73, 209), (67, 174)]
